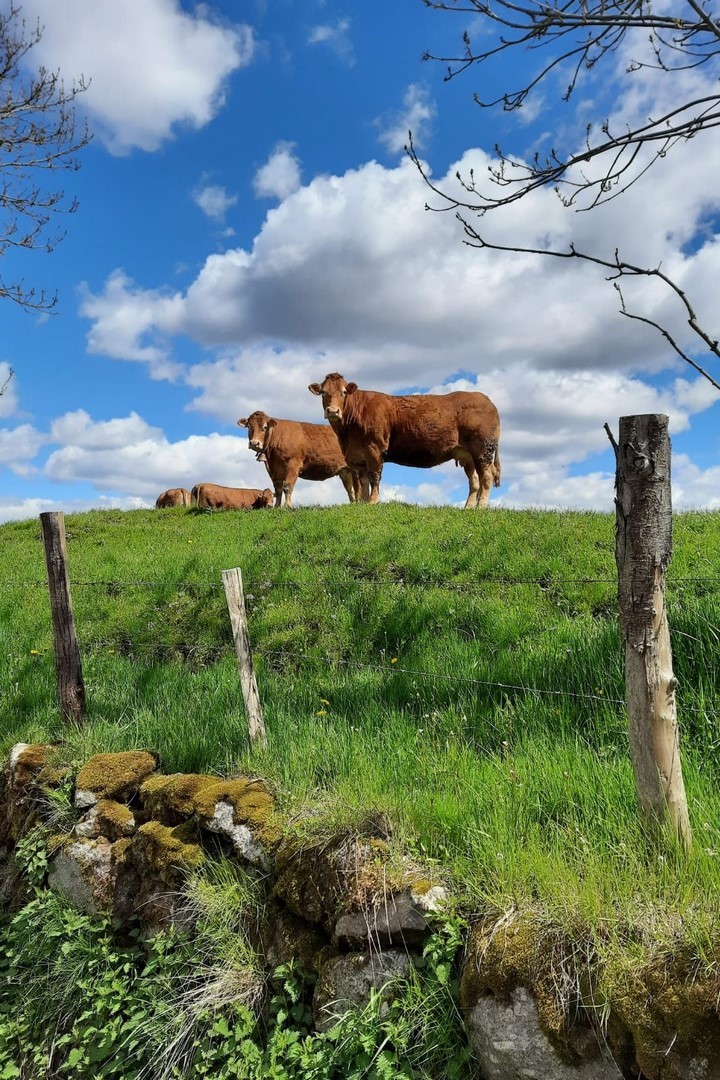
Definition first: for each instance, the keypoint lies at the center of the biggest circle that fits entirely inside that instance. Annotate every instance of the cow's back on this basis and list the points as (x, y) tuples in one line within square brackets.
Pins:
[(217, 497), (173, 497)]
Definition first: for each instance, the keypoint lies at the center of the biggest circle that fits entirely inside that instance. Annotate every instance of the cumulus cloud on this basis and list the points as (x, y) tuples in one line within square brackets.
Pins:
[(280, 175), (350, 273), (336, 37), (151, 65), (214, 201), (129, 457), (125, 320), (416, 115), (19, 446)]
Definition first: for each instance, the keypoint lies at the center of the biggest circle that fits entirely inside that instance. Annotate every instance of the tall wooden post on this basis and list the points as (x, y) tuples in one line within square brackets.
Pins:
[(232, 582), (643, 547), (71, 688)]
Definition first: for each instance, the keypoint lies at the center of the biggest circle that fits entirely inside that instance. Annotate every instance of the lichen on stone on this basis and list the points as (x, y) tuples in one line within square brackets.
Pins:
[(113, 776), (107, 818), (171, 799), (164, 852)]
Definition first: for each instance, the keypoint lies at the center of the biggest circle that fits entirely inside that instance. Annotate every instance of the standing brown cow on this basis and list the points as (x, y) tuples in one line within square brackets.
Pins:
[(216, 497), (292, 450), (173, 497), (421, 430)]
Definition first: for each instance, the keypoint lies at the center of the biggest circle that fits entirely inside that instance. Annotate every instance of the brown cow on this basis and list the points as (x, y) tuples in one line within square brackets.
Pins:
[(173, 497), (421, 430), (292, 449), (215, 497)]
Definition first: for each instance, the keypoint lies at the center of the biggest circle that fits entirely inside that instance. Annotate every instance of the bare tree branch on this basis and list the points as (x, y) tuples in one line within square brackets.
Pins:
[(5, 385), (578, 35), (38, 134)]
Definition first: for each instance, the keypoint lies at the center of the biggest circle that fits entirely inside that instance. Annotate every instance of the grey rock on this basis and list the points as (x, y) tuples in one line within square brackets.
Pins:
[(244, 842), (509, 1044), (346, 982), (397, 921)]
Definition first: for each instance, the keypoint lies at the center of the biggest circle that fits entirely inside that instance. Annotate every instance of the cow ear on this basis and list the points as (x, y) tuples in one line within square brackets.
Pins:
[(243, 423), (314, 388), (351, 387), (271, 423)]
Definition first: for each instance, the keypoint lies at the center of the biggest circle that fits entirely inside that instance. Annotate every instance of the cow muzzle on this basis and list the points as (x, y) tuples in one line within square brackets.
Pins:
[(255, 444), (333, 413)]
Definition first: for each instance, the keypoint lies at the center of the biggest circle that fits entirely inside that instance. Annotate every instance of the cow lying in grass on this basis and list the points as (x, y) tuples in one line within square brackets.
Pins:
[(173, 497), (215, 497), (294, 450), (420, 430)]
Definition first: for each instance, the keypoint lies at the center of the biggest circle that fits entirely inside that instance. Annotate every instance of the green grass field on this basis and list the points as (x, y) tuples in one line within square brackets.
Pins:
[(459, 672)]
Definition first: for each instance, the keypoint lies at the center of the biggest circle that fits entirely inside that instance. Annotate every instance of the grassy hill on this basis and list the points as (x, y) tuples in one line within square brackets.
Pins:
[(459, 672)]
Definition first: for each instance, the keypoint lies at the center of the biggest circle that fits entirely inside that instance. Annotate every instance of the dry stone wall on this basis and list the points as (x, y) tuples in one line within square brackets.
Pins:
[(346, 910)]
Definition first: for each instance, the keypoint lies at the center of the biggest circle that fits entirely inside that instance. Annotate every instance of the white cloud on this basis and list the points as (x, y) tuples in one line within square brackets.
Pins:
[(416, 116), (128, 457), (18, 447), (79, 429), (336, 37), (151, 65), (22, 509), (280, 175), (214, 201), (125, 316), (350, 273)]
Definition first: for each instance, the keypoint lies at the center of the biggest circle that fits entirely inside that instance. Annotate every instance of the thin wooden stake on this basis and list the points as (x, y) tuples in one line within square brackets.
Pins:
[(232, 582), (71, 688), (643, 547)]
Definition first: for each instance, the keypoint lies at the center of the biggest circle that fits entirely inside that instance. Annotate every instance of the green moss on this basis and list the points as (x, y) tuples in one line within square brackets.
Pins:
[(664, 997), (170, 799), (113, 819), (159, 851), (251, 801), (116, 776)]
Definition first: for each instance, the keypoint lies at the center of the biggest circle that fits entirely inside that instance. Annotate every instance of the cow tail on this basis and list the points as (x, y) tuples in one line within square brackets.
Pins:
[(496, 467)]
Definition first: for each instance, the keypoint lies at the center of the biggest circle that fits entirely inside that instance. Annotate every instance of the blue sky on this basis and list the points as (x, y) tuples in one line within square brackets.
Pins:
[(249, 221)]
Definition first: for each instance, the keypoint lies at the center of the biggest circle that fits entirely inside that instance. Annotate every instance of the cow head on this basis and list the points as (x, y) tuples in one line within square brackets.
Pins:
[(334, 392), (265, 498), (259, 426)]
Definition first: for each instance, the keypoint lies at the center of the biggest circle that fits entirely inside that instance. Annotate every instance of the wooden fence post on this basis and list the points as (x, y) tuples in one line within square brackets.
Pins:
[(643, 547), (232, 582), (71, 688)]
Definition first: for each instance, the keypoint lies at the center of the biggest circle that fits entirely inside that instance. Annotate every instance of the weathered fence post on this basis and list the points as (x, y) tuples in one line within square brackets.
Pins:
[(643, 547), (71, 688), (232, 582)]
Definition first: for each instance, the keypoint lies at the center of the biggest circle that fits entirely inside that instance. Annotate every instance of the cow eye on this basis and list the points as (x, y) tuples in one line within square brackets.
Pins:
[(264, 427)]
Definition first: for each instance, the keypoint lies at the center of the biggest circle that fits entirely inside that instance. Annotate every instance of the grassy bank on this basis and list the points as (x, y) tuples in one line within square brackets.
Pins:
[(460, 673)]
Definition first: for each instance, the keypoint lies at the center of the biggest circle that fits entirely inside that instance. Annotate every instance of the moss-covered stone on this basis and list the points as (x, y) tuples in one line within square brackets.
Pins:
[(667, 1000), (172, 799), (107, 818), (505, 954), (30, 769), (251, 801), (113, 776), (161, 852)]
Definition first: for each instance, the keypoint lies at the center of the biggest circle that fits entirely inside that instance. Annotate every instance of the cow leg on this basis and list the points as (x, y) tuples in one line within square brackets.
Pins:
[(289, 485), (278, 486), (474, 485), (348, 482), (487, 477), (374, 462)]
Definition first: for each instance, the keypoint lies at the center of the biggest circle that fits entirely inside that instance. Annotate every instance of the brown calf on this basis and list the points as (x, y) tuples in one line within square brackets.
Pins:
[(173, 497), (421, 430), (215, 497), (292, 450)]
